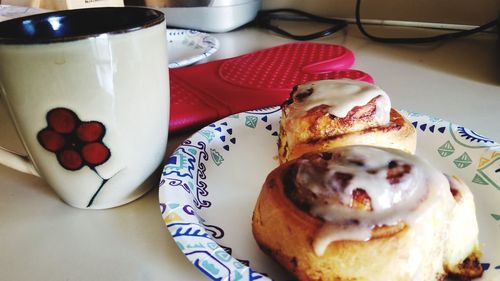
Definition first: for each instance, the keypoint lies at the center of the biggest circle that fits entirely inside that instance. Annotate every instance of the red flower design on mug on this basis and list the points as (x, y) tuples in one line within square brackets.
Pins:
[(76, 143)]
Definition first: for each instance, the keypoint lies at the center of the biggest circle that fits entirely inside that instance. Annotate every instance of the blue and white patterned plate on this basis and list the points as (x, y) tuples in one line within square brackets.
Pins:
[(211, 182), (186, 47)]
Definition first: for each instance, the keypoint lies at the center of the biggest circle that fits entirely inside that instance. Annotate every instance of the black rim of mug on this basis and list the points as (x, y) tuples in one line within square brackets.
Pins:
[(78, 24)]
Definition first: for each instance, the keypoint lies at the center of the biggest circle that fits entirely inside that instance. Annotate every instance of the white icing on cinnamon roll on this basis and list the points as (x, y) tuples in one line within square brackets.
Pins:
[(396, 187), (341, 96)]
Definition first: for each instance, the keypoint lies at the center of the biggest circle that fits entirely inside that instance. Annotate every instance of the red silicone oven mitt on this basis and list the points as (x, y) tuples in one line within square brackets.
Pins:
[(204, 93)]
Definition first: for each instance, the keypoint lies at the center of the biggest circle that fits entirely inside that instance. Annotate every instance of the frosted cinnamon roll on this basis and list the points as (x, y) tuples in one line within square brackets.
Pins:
[(366, 213), (324, 114), (463, 233)]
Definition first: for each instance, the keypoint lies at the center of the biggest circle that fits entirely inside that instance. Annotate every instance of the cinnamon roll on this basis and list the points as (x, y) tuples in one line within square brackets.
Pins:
[(367, 213), (324, 114)]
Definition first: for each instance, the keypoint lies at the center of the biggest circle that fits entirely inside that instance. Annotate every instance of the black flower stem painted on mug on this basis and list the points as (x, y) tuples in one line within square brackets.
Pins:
[(104, 181)]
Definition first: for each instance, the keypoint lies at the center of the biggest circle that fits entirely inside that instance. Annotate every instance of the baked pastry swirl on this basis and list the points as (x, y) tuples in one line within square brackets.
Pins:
[(324, 114), (367, 213)]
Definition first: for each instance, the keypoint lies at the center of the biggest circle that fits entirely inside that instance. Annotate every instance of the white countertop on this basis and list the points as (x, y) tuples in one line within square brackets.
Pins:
[(41, 238)]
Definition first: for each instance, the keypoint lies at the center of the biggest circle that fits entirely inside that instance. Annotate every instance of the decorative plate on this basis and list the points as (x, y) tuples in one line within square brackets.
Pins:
[(186, 47), (211, 182)]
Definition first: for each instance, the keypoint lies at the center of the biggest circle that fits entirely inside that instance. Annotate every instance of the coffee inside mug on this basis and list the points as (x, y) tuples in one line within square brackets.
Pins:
[(77, 24)]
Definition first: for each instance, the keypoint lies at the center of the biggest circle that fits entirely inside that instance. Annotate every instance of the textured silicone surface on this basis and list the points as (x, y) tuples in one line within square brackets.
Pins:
[(203, 93)]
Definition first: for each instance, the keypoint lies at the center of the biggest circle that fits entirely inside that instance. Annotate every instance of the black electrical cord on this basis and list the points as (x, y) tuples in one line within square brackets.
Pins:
[(265, 18), (418, 40)]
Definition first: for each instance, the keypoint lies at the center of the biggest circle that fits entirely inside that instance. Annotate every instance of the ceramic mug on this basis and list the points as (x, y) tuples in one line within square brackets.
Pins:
[(89, 96)]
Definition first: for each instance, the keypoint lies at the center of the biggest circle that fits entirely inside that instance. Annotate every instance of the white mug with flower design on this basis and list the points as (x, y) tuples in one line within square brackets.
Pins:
[(89, 95)]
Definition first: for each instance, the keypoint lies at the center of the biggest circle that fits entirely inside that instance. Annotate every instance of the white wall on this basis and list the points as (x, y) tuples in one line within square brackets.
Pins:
[(473, 12)]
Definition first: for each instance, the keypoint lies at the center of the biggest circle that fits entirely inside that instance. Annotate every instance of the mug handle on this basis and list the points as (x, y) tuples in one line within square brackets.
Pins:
[(17, 162)]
